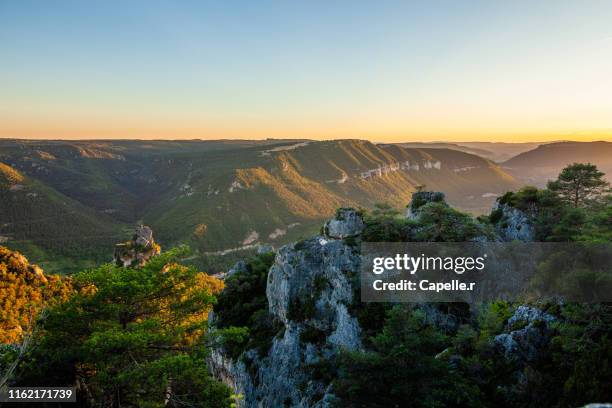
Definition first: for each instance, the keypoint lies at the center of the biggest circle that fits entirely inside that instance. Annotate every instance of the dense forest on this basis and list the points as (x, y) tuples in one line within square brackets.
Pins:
[(573, 370), (126, 336), (25, 290), (64, 203), (409, 357), (139, 336)]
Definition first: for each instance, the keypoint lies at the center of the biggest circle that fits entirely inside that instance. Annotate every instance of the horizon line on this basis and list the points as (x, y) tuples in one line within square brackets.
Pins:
[(280, 139)]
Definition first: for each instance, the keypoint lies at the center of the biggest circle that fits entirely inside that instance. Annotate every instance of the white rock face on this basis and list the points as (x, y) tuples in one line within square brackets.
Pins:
[(525, 344), (383, 169), (279, 232), (347, 329), (346, 223), (235, 186), (515, 225), (284, 148), (529, 315), (143, 236), (138, 251), (308, 291), (466, 168), (250, 238), (233, 374)]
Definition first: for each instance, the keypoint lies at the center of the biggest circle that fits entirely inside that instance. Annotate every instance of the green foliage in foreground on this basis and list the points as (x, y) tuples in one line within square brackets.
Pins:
[(437, 222), (575, 207), (440, 223), (131, 337), (409, 359), (579, 184), (401, 366), (242, 313)]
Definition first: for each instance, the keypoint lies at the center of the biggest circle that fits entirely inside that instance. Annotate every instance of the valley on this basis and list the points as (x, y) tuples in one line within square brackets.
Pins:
[(218, 197)]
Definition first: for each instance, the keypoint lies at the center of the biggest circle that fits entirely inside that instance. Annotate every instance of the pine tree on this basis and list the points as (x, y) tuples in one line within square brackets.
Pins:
[(580, 183)]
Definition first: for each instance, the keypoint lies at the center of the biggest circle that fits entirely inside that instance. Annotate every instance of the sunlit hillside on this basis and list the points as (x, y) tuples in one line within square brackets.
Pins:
[(217, 196)]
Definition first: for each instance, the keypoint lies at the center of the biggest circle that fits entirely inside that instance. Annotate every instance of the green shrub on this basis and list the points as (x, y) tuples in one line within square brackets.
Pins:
[(319, 284), (351, 241), (233, 339), (300, 245), (440, 223), (243, 305), (311, 334), (496, 216), (301, 310)]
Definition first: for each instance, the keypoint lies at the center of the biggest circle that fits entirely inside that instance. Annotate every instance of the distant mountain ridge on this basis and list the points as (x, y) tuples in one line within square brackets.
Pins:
[(453, 146), (543, 163), (496, 151), (220, 195)]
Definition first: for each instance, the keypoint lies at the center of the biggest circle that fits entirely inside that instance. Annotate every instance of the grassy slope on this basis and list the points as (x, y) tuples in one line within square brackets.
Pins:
[(214, 195), (60, 233), (302, 185)]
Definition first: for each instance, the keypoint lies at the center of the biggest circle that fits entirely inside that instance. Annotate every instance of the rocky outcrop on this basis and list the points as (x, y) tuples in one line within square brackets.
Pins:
[(529, 335), (308, 291), (232, 373), (347, 223), (265, 249), (308, 285), (240, 266), (137, 251), (420, 198), (513, 224)]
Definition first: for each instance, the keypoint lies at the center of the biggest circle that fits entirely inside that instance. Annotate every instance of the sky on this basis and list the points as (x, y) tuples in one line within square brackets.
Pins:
[(380, 70)]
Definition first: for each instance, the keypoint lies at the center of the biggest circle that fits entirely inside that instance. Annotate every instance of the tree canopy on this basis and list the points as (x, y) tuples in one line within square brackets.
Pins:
[(24, 291), (131, 336), (580, 183)]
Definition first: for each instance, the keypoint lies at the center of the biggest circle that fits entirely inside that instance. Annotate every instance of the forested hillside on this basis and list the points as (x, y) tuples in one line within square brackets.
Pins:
[(288, 328), (538, 166), (214, 195), (25, 291), (300, 338), (57, 231)]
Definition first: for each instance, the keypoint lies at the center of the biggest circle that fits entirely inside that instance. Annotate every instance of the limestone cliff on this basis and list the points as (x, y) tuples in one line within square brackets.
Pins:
[(528, 333), (346, 223), (308, 292), (138, 250), (513, 223)]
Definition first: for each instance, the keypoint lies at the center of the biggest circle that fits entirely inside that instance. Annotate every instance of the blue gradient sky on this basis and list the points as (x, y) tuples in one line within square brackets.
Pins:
[(386, 71)]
